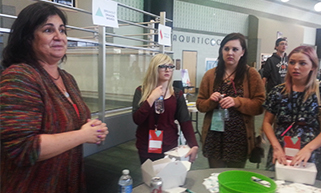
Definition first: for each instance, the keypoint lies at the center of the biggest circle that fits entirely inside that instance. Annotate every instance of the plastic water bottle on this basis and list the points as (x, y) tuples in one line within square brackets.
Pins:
[(125, 182), (224, 113), (159, 105)]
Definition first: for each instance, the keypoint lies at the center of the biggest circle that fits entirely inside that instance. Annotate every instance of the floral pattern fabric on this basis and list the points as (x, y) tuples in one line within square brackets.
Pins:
[(230, 145), (289, 108)]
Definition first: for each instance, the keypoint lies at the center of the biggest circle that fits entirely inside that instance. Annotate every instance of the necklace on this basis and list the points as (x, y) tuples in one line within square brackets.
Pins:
[(64, 92), (55, 79), (228, 78)]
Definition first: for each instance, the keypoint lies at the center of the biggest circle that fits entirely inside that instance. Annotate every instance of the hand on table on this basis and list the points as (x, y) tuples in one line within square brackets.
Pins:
[(192, 153), (303, 155), (279, 155)]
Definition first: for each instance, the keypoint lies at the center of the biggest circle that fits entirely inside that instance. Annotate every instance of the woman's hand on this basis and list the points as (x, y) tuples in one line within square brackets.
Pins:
[(192, 153), (216, 96), (279, 155), (227, 102), (156, 93), (94, 131), (303, 155)]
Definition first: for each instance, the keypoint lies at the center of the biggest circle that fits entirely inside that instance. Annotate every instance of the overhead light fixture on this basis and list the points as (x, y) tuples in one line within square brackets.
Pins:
[(317, 7), (285, 0)]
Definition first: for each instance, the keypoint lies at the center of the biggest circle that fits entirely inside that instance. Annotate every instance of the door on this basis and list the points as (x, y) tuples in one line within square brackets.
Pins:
[(190, 63)]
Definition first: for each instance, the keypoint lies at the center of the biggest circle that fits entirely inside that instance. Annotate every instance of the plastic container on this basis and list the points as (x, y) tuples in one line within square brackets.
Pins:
[(236, 181), (224, 112), (125, 182)]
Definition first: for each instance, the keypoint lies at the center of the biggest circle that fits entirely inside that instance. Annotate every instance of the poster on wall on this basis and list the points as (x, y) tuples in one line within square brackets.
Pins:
[(164, 35), (210, 63), (185, 78), (105, 13)]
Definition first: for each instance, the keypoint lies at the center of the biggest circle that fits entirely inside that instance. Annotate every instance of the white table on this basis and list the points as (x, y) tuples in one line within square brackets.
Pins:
[(195, 178)]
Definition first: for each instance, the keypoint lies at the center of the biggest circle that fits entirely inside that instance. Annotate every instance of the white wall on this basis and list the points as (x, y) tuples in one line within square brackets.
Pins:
[(309, 35), (268, 29), (208, 23)]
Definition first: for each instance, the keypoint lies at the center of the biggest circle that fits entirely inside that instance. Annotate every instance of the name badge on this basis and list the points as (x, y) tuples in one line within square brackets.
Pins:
[(217, 123), (292, 146), (155, 141)]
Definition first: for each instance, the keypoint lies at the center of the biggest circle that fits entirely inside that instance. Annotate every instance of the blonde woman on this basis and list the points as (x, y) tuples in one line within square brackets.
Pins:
[(158, 82), (294, 106)]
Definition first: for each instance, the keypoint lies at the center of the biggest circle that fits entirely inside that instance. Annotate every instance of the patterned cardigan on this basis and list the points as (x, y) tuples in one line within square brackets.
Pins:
[(31, 104), (249, 105)]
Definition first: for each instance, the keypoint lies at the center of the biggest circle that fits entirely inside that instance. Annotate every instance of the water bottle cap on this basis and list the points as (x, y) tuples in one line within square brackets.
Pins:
[(126, 172), (161, 97)]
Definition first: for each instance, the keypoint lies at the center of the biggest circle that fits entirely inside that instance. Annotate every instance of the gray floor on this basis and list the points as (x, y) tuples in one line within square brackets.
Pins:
[(103, 169)]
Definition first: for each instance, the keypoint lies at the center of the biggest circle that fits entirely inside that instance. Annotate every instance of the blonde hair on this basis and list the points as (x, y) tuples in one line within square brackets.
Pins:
[(151, 77), (311, 85)]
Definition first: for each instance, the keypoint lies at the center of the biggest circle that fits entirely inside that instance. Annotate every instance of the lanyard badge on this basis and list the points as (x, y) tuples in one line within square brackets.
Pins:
[(155, 141), (292, 146)]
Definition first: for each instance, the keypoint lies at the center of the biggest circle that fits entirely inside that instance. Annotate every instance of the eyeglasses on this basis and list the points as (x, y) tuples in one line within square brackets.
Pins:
[(165, 67), (283, 44)]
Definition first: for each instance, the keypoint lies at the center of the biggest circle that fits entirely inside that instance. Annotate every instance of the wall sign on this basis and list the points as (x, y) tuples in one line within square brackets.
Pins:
[(196, 40), (104, 13), (164, 35)]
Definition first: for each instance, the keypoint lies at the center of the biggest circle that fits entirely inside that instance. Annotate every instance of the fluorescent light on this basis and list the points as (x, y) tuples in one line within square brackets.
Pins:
[(285, 0), (317, 7)]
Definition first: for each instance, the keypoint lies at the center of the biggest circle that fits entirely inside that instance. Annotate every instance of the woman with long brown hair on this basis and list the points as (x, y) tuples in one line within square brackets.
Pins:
[(238, 89)]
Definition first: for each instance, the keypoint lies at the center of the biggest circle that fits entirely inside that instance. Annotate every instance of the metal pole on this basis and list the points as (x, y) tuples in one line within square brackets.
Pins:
[(101, 72), (163, 22), (151, 32)]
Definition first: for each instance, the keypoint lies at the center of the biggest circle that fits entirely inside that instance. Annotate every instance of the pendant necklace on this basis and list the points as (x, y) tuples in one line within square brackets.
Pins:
[(65, 92), (61, 88), (228, 79)]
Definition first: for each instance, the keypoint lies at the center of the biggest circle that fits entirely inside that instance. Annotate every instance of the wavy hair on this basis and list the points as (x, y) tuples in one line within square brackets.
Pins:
[(19, 47), (310, 87), (241, 66), (151, 77)]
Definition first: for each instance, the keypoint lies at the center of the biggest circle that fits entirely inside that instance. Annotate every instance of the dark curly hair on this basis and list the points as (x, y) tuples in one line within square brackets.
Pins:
[(19, 47)]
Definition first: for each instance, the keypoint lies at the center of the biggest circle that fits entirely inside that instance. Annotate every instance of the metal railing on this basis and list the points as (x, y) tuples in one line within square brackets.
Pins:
[(99, 36)]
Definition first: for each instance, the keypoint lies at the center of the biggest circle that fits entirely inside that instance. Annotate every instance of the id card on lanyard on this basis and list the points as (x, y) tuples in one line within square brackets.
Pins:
[(155, 141), (292, 146), (155, 138)]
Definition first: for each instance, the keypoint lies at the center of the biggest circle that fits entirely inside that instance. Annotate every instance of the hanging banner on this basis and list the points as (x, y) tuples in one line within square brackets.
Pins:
[(104, 13), (164, 35)]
